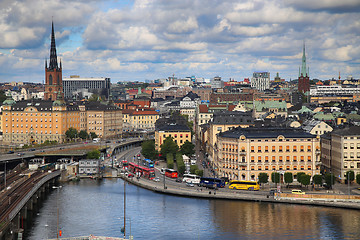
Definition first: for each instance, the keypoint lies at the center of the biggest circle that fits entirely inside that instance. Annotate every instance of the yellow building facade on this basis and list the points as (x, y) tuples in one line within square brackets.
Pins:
[(139, 119), (35, 121), (244, 153), (179, 133)]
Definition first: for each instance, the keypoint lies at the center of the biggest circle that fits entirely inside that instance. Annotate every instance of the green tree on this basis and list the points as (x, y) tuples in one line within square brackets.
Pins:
[(263, 177), (187, 148), (199, 172), (299, 176), (2, 96), (275, 177), (329, 179), (180, 163), (169, 146), (170, 160), (71, 133), (148, 149), (288, 178), (358, 178), (305, 179), (193, 169), (94, 154), (93, 135), (83, 134), (350, 176), (317, 179)]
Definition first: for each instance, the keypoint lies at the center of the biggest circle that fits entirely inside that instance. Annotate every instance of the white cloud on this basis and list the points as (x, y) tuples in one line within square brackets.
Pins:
[(153, 38)]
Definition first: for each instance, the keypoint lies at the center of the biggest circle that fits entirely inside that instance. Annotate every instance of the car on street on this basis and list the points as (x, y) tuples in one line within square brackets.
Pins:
[(130, 175), (190, 184), (10, 152), (297, 191), (178, 180), (21, 154), (108, 141), (157, 179)]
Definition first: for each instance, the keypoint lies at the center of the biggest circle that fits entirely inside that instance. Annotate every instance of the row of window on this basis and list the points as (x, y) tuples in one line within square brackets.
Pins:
[(45, 126), (26, 120), (259, 168), (351, 155), (352, 146), (280, 148), (273, 158), (351, 165), (175, 135)]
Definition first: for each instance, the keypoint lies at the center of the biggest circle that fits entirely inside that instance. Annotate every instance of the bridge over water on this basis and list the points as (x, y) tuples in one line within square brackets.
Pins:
[(21, 198)]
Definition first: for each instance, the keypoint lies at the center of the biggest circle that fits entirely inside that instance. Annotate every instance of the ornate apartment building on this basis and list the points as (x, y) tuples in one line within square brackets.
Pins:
[(243, 153)]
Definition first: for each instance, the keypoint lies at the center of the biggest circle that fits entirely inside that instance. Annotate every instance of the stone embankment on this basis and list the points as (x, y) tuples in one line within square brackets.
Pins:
[(326, 200)]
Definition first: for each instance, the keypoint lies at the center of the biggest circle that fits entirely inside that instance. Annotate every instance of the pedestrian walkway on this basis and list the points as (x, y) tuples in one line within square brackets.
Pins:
[(91, 237)]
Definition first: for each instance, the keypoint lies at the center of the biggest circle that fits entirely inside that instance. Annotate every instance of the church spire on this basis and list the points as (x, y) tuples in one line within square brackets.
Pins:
[(303, 64), (53, 57)]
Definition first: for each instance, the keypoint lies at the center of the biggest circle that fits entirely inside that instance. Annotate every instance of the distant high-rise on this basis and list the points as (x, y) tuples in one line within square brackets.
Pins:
[(260, 80), (53, 73), (304, 81)]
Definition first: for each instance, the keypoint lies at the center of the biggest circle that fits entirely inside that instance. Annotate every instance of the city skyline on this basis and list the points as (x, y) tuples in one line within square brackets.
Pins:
[(146, 40)]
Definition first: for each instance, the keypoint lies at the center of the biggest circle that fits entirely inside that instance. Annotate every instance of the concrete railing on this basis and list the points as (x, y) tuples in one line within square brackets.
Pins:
[(31, 193)]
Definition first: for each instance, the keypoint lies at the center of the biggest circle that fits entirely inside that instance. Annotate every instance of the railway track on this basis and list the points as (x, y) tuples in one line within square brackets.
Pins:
[(9, 199)]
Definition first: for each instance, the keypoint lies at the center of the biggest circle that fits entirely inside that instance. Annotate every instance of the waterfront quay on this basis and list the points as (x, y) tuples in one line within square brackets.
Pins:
[(320, 199), (91, 237)]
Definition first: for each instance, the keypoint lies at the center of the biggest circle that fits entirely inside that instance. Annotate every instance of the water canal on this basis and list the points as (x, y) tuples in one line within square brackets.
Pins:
[(96, 207)]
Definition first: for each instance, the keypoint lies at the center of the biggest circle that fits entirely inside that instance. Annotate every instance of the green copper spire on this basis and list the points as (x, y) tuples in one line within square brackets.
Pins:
[(303, 64)]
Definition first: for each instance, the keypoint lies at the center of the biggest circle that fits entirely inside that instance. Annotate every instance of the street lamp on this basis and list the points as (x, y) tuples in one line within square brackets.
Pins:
[(57, 205), (5, 175)]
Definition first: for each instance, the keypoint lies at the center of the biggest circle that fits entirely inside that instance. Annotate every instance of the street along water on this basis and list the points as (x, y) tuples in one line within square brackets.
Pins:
[(96, 207)]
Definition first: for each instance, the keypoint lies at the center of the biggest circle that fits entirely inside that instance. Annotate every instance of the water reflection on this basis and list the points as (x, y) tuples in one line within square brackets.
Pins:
[(284, 221), (91, 207)]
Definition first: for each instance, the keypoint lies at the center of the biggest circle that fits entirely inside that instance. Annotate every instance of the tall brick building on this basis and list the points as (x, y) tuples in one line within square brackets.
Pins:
[(53, 73)]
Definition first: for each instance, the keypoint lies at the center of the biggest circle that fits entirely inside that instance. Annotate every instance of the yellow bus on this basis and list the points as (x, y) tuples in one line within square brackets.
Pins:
[(244, 185)]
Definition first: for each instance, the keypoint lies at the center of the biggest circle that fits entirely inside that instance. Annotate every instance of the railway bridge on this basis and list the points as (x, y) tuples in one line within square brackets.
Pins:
[(20, 199)]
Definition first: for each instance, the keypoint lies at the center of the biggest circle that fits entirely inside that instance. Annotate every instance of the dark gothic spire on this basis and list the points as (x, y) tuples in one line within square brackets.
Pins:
[(53, 58)]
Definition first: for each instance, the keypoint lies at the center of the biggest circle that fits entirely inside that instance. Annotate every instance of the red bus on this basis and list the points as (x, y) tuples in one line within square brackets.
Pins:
[(124, 164), (171, 173), (143, 171)]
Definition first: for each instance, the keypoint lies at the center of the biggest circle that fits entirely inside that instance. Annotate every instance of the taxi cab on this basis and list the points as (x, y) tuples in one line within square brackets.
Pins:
[(297, 191)]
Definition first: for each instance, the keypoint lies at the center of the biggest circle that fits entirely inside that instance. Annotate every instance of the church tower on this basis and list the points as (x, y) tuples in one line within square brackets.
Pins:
[(53, 74), (304, 81)]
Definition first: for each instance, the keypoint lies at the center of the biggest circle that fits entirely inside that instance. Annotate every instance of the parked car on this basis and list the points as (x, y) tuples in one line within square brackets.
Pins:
[(32, 149), (157, 179), (10, 152), (178, 180), (130, 175), (108, 141), (20, 154), (190, 184), (297, 191)]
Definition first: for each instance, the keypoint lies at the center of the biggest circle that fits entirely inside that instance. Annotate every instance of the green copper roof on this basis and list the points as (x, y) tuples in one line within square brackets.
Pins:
[(324, 117), (261, 106)]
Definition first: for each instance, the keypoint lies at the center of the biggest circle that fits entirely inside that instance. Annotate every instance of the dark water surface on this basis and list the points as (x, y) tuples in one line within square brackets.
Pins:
[(92, 207)]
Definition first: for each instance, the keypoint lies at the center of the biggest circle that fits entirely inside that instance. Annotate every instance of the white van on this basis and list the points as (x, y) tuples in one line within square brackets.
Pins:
[(192, 178), (96, 140)]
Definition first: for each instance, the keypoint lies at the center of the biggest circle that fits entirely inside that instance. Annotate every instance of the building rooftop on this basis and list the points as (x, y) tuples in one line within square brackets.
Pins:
[(227, 117), (173, 128), (350, 131), (269, 132)]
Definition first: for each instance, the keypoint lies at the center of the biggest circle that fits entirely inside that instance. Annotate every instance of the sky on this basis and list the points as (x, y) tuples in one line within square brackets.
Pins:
[(138, 40)]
